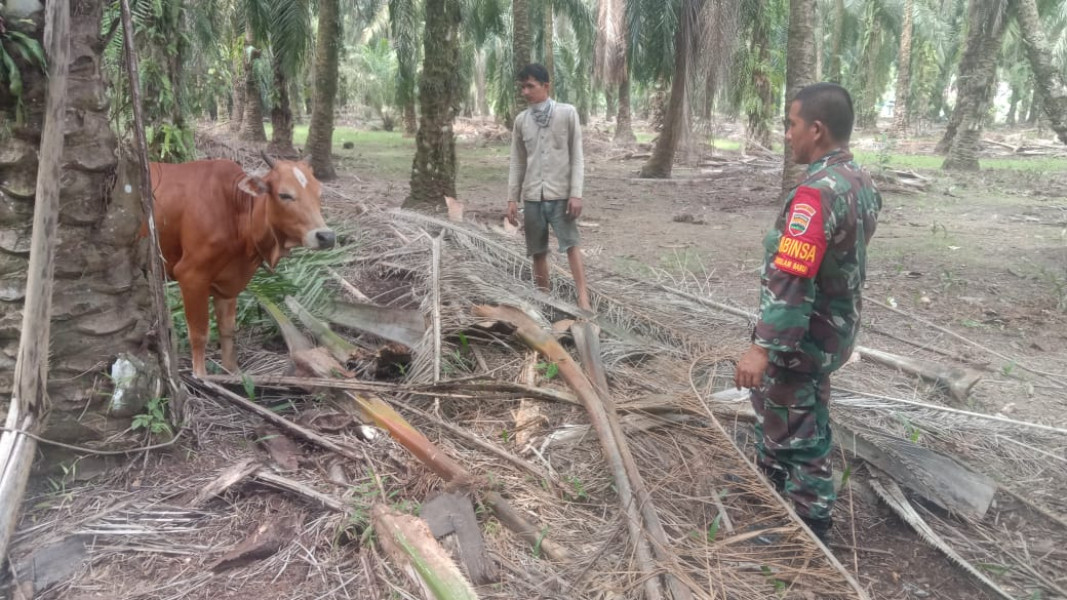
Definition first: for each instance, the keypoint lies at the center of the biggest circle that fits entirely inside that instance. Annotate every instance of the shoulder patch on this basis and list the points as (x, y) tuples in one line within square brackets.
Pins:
[(803, 242), (800, 217)]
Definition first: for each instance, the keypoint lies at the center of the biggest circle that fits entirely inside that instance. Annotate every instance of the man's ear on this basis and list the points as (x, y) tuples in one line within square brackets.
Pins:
[(253, 185)]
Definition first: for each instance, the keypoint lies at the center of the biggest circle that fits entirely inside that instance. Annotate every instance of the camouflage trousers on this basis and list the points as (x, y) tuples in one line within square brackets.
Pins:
[(793, 438)]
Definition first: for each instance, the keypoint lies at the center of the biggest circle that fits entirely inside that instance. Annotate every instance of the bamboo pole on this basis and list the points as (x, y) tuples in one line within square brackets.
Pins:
[(28, 401)]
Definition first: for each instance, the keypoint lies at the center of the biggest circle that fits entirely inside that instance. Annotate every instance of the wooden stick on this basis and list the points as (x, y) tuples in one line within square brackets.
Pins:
[(533, 336), (1051, 376), (442, 388), (298, 430), (490, 448), (959, 381), (351, 289), (385, 417), (949, 409), (586, 338), (272, 478), (956, 380), (515, 522), (28, 402), (226, 479), (435, 293), (786, 505), (156, 271)]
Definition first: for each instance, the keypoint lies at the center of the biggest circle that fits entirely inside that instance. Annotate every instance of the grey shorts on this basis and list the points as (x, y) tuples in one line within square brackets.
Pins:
[(537, 216)]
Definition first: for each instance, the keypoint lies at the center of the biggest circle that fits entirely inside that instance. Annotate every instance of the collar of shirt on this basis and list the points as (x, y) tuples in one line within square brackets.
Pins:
[(542, 112), (833, 157)]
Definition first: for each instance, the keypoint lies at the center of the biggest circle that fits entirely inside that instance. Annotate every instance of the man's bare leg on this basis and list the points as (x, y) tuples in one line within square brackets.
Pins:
[(574, 256), (540, 271)]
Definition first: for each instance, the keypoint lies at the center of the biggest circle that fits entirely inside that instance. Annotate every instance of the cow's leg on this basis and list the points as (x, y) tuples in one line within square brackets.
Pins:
[(226, 318), (195, 299)]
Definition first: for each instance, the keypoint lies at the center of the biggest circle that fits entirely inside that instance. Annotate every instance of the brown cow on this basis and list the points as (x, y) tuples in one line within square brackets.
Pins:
[(218, 224)]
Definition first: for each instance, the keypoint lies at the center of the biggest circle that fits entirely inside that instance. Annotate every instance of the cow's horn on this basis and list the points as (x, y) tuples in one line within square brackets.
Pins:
[(267, 159)]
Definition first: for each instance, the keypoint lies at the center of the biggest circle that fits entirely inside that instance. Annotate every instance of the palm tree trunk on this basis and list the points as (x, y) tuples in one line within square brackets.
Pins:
[(839, 34), (900, 107), (520, 49), (252, 124), (320, 132), (481, 97), (624, 129), (1035, 106), (977, 73), (1047, 76), (799, 72), (411, 119), (661, 163), (549, 38), (757, 129), (100, 302), (281, 115), (296, 100), (1013, 106), (175, 61), (870, 87), (433, 172), (237, 107), (818, 50)]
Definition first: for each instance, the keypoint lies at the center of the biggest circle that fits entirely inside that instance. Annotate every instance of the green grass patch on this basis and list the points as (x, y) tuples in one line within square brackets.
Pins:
[(731, 145), (872, 158)]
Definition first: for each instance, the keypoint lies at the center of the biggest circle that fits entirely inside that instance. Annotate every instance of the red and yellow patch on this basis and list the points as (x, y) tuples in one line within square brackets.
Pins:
[(803, 242)]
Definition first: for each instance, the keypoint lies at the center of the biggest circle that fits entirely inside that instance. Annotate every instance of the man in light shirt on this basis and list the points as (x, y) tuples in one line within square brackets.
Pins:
[(546, 175)]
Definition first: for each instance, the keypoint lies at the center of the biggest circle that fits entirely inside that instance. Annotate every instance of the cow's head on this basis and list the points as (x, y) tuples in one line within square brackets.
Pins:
[(294, 207)]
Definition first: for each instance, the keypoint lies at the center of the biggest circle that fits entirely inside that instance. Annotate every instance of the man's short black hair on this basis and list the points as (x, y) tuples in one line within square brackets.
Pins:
[(535, 70), (830, 104)]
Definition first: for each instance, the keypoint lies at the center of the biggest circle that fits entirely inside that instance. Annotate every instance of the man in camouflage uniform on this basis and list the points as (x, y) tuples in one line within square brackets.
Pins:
[(810, 299)]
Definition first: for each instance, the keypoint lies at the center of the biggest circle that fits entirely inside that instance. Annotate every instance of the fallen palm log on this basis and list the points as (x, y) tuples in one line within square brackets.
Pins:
[(957, 381), (383, 415), (410, 544), (535, 337)]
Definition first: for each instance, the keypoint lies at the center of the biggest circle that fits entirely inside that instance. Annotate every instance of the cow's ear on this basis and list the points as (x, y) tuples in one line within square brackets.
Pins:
[(253, 185)]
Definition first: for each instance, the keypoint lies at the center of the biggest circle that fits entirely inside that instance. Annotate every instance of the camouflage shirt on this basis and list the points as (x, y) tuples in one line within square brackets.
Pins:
[(814, 267)]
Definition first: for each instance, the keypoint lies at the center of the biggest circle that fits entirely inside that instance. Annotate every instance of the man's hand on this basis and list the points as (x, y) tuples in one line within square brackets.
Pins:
[(751, 367), (574, 208), (513, 213)]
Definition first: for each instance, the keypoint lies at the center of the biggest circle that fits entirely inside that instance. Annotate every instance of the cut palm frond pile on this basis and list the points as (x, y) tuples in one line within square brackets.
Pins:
[(302, 514)]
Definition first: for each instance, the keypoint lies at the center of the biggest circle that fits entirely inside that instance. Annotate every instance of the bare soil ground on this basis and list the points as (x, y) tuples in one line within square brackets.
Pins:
[(982, 255)]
